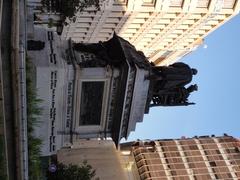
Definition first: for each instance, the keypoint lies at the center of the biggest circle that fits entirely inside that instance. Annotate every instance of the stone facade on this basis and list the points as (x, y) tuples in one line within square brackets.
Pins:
[(88, 94)]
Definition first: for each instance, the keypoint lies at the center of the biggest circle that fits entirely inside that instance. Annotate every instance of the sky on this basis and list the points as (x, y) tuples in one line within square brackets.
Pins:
[(217, 108)]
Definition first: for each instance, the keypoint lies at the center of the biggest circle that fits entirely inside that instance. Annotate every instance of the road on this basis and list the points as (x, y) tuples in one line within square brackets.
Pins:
[(13, 87), (7, 98)]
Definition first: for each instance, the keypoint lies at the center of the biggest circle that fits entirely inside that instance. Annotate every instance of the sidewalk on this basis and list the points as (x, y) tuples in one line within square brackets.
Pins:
[(18, 57)]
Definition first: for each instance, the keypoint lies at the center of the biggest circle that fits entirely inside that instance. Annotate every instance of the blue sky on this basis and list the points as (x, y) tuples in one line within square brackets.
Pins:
[(217, 108)]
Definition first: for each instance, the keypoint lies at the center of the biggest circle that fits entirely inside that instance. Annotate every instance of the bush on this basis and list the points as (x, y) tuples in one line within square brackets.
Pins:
[(33, 112), (72, 172)]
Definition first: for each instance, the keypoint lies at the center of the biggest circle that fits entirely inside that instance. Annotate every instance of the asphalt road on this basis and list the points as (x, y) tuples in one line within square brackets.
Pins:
[(7, 86)]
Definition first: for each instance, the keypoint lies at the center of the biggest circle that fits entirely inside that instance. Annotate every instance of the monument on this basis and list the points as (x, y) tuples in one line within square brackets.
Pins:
[(100, 90), (168, 84)]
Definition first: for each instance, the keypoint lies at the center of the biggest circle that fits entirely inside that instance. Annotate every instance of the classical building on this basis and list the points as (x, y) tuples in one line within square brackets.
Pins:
[(164, 30), (198, 158)]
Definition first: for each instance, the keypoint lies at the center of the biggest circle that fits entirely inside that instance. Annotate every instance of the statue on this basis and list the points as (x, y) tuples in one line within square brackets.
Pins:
[(168, 84), (174, 97), (176, 75)]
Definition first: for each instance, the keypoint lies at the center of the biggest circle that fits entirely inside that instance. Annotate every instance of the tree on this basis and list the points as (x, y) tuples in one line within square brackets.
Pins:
[(68, 8), (72, 172)]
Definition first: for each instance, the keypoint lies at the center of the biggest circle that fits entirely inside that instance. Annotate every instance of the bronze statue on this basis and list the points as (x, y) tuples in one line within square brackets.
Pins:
[(168, 84), (176, 75), (174, 97)]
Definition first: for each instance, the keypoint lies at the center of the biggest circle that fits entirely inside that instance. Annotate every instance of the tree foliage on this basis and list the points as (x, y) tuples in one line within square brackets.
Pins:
[(33, 113), (72, 172), (69, 8)]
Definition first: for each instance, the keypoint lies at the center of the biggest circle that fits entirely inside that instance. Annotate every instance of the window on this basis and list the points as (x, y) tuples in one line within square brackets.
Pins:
[(228, 4), (174, 173), (91, 103), (237, 149), (229, 175), (193, 147), (167, 161), (148, 2), (192, 165), (202, 3), (212, 163), (175, 3)]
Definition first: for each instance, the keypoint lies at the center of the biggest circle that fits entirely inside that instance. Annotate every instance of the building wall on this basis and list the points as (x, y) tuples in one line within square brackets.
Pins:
[(56, 83), (164, 30), (53, 76), (197, 158), (101, 155)]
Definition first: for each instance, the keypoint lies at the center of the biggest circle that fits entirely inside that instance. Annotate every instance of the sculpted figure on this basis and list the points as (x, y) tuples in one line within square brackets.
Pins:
[(176, 75), (174, 97)]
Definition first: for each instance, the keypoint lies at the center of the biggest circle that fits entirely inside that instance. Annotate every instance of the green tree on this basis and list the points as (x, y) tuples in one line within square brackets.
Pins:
[(71, 7), (72, 172), (68, 8)]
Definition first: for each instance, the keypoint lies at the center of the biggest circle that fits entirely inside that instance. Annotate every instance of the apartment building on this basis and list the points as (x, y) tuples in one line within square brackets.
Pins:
[(165, 30), (198, 158)]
